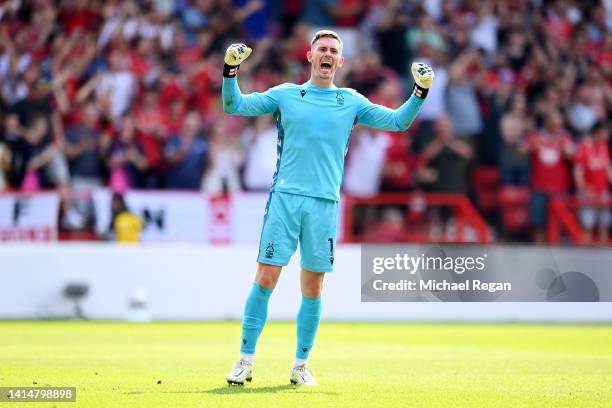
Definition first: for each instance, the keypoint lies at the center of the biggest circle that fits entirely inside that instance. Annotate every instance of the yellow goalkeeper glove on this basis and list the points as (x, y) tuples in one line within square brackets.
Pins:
[(423, 78), (234, 56)]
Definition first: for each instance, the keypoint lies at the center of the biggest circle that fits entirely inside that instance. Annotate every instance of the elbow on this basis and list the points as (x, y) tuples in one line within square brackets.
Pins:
[(403, 125), (228, 108), (227, 102)]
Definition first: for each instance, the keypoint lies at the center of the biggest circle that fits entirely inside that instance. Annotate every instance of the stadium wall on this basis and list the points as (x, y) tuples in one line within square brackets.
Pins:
[(194, 282)]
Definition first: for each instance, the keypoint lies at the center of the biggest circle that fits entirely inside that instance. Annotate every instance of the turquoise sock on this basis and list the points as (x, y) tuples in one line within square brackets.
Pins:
[(255, 314), (308, 320)]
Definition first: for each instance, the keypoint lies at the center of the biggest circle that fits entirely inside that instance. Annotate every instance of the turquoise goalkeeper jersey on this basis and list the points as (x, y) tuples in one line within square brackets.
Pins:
[(314, 127)]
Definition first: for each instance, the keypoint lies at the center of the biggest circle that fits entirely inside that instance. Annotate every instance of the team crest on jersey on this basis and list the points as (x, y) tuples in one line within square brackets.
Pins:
[(339, 98), (302, 92)]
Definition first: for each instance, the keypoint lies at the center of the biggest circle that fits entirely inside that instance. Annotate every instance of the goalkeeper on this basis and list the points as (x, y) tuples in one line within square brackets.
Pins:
[(314, 123)]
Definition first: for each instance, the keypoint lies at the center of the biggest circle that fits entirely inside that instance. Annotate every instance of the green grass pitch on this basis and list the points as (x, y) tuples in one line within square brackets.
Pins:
[(356, 364)]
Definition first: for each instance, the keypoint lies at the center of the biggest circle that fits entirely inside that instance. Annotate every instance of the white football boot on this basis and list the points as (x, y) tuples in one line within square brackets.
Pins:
[(242, 371), (301, 375)]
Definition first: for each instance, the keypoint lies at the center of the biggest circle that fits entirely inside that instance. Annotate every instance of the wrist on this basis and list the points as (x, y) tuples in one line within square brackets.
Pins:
[(419, 91), (230, 71)]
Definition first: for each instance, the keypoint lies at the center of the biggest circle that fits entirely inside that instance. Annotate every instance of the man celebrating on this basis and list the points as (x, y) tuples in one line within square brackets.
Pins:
[(314, 123)]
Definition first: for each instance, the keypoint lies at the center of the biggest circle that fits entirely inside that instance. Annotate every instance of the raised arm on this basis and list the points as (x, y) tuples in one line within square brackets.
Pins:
[(234, 102), (380, 117)]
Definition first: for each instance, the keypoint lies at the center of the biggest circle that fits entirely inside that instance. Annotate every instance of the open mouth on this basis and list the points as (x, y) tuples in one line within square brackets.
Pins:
[(326, 66)]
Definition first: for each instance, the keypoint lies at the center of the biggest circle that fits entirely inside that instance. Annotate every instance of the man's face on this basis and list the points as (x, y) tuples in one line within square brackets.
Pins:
[(325, 57), (554, 122)]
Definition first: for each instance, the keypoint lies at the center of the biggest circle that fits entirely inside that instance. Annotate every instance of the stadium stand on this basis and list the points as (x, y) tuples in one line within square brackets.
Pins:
[(126, 95)]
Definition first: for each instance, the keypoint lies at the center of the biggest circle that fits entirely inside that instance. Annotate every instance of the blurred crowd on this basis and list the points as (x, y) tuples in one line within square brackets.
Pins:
[(126, 94)]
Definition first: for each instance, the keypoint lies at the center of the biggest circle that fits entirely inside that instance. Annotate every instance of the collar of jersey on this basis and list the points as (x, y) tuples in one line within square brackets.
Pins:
[(309, 84)]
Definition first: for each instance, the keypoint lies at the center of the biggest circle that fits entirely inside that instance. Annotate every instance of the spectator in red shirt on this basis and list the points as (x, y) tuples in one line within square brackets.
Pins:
[(143, 59), (173, 116), (403, 170), (550, 150), (592, 174), (151, 135), (80, 15), (352, 11)]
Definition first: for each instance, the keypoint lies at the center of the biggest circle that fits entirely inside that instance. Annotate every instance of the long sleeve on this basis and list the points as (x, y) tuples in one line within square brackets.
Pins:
[(254, 104), (380, 117)]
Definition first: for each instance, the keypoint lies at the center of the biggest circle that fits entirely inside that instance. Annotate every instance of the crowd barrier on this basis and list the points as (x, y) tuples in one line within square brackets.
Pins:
[(181, 216), (563, 222)]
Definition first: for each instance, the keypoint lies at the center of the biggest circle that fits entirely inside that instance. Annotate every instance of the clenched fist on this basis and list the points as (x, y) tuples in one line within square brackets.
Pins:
[(423, 74), (236, 54)]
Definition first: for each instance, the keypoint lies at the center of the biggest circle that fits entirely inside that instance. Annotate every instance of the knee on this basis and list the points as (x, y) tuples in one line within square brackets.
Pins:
[(267, 275), (266, 280), (313, 287)]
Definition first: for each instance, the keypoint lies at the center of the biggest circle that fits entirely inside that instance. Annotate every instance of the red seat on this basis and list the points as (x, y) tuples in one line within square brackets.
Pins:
[(514, 208), (486, 180)]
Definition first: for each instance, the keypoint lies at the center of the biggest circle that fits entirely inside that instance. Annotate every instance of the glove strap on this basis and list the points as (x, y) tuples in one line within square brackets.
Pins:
[(419, 91), (230, 71)]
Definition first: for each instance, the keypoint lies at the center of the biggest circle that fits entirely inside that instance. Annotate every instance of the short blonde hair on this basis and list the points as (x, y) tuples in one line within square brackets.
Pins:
[(326, 33)]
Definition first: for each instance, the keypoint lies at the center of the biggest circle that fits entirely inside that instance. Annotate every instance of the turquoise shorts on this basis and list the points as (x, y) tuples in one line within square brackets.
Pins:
[(291, 218)]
